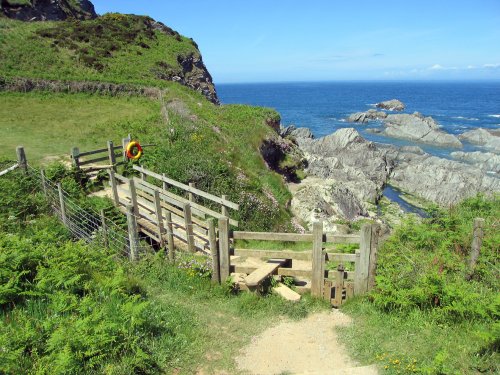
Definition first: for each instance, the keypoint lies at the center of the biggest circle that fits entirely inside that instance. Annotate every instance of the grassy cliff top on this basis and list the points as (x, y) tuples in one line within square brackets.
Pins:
[(113, 48)]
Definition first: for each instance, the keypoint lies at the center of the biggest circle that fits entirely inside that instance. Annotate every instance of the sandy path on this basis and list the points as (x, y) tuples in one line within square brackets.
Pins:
[(309, 346)]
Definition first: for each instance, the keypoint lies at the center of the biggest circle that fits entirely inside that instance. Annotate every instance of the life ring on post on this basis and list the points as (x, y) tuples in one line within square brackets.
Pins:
[(134, 150)]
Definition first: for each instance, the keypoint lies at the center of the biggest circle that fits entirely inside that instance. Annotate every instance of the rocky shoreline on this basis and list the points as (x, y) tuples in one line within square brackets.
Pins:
[(346, 174)]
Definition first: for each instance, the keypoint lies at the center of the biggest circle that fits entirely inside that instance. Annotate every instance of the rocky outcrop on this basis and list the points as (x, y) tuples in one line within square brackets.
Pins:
[(327, 200), (487, 161), (391, 105), (439, 180), (195, 75), (416, 127), (284, 157), (345, 171), (48, 10), (364, 117), (482, 137), (292, 131)]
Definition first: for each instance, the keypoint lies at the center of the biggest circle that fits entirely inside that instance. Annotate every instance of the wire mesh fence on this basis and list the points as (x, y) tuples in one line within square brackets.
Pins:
[(87, 224)]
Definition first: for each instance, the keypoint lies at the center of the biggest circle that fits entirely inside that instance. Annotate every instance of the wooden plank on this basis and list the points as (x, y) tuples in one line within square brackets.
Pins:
[(287, 293), (281, 254), (327, 290), (224, 209), (189, 227), (21, 159), (214, 251), (170, 236), (121, 178), (263, 272), (9, 169), (341, 238), (265, 236), (189, 189), (62, 205), (357, 274), (339, 257), (170, 198), (338, 287), (132, 233), (224, 256), (349, 288), (364, 262), (111, 154), (93, 152), (281, 271), (372, 267), (75, 155), (133, 196), (96, 160), (159, 218), (318, 261), (348, 275), (179, 201)]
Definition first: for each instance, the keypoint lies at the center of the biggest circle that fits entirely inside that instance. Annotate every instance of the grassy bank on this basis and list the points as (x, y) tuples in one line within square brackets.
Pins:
[(430, 313)]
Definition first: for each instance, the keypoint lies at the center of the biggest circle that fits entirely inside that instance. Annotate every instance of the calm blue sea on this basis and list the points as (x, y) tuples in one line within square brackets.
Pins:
[(323, 107)]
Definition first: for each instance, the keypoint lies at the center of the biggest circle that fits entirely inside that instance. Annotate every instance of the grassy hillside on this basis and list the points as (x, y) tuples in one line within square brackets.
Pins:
[(112, 48), (215, 147)]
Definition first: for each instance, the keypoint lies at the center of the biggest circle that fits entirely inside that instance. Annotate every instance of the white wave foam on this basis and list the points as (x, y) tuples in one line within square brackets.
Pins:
[(495, 116), (466, 118)]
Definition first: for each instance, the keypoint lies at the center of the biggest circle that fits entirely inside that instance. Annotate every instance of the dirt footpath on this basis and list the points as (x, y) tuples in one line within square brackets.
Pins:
[(309, 346)]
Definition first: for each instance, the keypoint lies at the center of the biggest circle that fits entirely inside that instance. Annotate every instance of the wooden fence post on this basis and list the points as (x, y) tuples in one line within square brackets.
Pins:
[(188, 222), (104, 229), (357, 275), (133, 196), (165, 185), (133, 234), (339, 285), (372, 268), (125, 142), (114, 187), (224, 210), (62, 205), (170, 236), (159, 218), (318, 260), (21, 159), (191, 195), (214, 250), (364, 260), (111, 155), (44, 185), (477, 241), (75, 156), (224, 249)]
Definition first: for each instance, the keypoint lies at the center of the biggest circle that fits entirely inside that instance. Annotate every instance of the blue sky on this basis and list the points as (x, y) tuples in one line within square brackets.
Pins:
[(321, 40)]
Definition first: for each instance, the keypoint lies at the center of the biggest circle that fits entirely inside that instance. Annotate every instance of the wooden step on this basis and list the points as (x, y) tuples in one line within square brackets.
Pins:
[(261, 273), (287, 293)]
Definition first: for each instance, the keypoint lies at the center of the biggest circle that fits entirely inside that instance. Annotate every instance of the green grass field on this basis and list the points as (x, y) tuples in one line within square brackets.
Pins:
[(48, 125)]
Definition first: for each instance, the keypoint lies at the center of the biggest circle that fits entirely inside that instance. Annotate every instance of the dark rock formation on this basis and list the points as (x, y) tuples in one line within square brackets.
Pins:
[(49, 10), (284, 157), (392, 105), (195, 75)]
